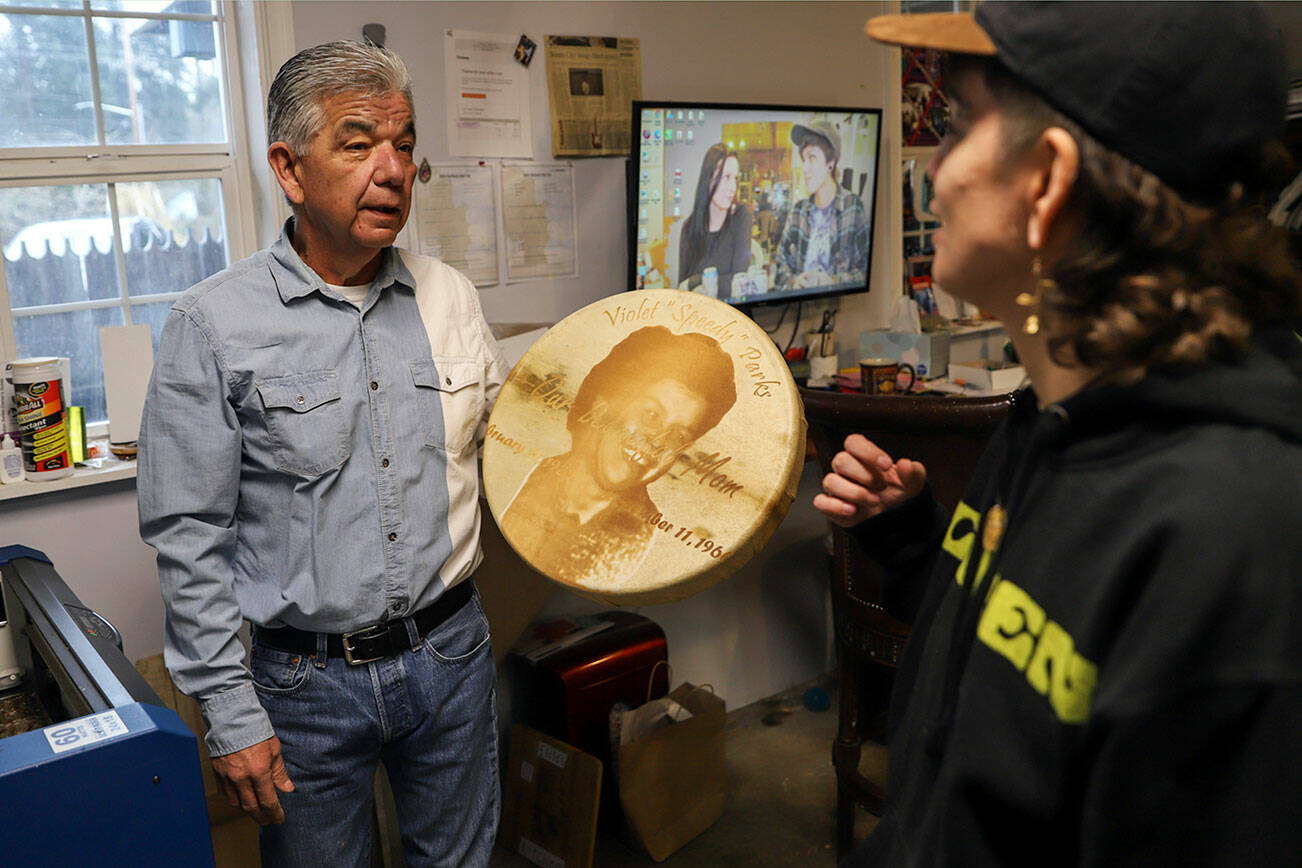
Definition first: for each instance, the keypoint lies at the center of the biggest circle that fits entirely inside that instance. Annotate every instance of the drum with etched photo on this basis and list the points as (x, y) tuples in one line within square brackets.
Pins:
[(645, 447)]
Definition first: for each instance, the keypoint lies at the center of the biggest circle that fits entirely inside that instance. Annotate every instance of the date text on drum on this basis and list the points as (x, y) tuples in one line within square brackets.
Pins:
[(686, 537)]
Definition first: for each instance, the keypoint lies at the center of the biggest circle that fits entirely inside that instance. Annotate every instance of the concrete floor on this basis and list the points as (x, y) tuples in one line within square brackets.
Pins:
[(781, 797)]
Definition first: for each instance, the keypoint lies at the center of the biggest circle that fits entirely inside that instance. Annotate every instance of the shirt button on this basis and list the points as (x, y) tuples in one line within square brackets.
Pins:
[(384, 462), (392, 537), (447, 381), (300, 400), (395, 606), (374, 385)]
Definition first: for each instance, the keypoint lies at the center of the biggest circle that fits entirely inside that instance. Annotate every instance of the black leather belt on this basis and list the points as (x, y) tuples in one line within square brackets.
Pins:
[(374, 642)]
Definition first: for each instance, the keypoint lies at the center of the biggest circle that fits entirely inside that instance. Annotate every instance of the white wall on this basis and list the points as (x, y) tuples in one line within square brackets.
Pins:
[(782, 52), (91, 536), (761, 630)]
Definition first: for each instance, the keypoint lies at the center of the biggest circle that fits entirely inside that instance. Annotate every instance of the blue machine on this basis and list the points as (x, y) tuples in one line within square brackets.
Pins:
[(109, 776)]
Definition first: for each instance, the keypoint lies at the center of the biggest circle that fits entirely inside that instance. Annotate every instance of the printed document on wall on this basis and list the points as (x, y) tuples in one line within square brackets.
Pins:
[(456, 219), (487, 96), (538, 221)]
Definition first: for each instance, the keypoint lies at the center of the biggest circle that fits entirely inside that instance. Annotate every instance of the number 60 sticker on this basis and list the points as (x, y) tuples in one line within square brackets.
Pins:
[(84, 730)]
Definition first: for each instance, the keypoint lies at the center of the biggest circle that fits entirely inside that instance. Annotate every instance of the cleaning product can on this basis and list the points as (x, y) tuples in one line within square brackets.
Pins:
[(42, 418)]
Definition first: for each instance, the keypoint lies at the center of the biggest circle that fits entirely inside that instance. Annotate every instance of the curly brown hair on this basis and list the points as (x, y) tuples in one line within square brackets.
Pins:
[(654, 352), (1153, 280)]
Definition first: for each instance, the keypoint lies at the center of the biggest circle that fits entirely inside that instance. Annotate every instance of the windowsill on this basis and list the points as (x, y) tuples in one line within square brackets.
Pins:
[(111, 471)]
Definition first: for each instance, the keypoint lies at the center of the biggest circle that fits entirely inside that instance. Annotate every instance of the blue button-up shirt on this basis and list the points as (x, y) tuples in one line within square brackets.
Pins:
[(305, 462)]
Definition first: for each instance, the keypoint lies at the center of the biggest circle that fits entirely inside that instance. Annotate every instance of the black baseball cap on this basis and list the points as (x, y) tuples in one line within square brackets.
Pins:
[(1190, 91)]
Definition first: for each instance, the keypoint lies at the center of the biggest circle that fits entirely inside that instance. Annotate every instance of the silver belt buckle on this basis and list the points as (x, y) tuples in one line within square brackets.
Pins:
[(365, 633)]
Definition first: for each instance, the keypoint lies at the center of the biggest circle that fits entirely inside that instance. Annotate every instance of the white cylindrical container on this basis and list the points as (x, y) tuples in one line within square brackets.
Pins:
[(11, 461), (42, 418)]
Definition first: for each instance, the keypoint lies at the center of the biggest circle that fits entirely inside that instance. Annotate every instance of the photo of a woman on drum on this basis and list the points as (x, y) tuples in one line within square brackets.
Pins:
[(583, 516)]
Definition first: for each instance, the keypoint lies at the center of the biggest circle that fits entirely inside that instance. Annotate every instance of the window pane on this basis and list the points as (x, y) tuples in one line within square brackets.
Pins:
[(189, 7), (45, 90), (155, 314), (75, 335), (160, 81), (174, 231), (58, 244)]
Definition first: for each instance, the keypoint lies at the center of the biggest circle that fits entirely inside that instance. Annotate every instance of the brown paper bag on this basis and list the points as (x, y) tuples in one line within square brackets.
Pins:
[(671, 780)]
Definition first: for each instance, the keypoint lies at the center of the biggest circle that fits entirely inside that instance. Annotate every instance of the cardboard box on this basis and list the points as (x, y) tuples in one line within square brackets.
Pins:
[(927, 352), (551, 795), (991, 375)]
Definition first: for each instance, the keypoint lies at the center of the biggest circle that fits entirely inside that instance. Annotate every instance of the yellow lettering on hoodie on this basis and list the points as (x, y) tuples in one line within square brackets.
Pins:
[(1017, 628), (1067, 678), (959, 543), (1011, 623)]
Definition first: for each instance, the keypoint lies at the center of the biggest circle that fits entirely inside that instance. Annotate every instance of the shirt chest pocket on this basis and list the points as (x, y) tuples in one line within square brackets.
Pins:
[(306, 424), (450, 393)]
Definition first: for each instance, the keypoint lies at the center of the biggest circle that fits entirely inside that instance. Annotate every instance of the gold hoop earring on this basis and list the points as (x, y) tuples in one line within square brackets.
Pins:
[(1032, 299)]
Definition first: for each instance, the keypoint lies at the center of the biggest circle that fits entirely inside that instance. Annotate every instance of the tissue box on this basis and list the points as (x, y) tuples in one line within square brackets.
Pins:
[(991, 375), (927, 352)]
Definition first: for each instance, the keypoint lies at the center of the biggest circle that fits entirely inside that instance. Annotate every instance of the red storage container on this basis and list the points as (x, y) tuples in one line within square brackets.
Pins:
[(569, 671)]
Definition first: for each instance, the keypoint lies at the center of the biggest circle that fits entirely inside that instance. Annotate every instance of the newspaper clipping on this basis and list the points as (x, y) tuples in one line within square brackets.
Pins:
[(592, 81)]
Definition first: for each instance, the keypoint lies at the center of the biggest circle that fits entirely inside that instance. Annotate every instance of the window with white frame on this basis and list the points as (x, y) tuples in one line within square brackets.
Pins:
[(118, 170)]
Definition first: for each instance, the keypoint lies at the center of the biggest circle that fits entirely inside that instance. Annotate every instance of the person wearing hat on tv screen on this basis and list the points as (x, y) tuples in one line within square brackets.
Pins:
[(825, 240), (1104, 666)]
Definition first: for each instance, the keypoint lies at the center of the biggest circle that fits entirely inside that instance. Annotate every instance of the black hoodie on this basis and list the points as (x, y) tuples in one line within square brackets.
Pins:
[(1115, 679)]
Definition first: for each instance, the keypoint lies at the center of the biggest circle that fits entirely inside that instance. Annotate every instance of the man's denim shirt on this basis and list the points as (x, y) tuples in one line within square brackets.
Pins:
[(306, 463)]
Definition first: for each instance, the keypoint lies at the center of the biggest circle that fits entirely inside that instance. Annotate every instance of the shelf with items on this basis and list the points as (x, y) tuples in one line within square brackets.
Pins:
[(924, 114), (918, 223), (917, 228), (108, 469)]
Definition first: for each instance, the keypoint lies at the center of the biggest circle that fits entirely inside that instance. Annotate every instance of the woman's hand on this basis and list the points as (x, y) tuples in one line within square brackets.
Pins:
[(865, 482)]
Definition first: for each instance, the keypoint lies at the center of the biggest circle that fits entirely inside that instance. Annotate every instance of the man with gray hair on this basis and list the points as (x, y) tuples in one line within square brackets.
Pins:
[(308, 464)]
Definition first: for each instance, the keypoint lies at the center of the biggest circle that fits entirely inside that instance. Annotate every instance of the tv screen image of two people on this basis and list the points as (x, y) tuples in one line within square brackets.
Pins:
[(753, 204)]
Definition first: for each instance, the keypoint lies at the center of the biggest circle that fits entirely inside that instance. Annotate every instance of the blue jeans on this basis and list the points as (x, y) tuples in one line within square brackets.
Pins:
[(428, 714)]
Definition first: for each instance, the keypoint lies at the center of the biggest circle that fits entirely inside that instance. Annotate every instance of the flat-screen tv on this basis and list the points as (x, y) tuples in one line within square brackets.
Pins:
[(752, 204)]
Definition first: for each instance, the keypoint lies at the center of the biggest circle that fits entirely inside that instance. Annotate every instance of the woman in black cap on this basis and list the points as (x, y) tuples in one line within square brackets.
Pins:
[(1105, 661)]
